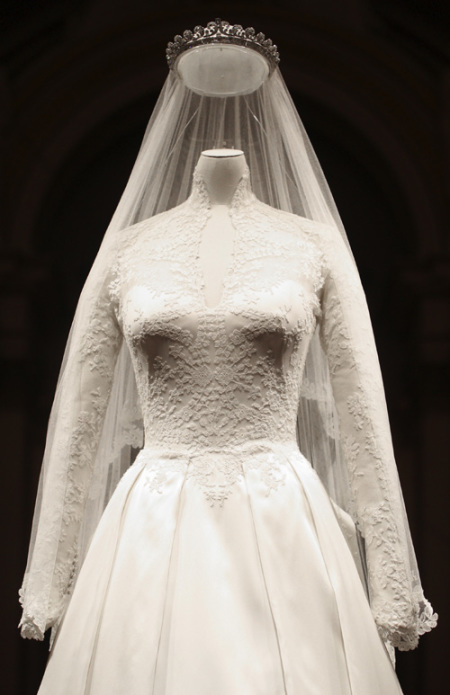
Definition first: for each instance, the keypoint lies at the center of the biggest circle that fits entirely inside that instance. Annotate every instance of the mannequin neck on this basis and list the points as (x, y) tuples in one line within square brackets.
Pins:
[(221, 171)]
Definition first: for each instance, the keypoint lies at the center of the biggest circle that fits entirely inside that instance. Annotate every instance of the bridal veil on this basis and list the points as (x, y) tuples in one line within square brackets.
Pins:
[(224, 89)]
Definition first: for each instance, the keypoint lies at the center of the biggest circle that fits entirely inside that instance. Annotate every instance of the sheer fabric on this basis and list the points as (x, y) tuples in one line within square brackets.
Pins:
[(333, 394), (219, 564)]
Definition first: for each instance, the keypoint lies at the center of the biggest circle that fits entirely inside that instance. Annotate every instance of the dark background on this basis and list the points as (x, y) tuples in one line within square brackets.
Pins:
[(78, 80)]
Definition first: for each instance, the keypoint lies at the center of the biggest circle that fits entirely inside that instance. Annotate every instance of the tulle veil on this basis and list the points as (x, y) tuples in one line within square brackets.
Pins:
[(227, 94)]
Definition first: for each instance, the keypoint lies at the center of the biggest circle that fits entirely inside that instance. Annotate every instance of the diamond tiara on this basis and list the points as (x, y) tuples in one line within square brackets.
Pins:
[(221, 31)]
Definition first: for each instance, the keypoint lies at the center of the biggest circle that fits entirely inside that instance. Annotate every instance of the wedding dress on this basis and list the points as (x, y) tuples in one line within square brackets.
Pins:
[(258, 544), (219, 565)]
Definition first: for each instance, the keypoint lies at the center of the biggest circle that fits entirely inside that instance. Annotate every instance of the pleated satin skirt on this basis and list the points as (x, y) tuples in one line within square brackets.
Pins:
[(259, 595)]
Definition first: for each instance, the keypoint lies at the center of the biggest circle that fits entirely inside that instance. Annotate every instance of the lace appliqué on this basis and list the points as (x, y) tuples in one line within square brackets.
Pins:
[(400, 611), (213, 381), (215, 472), (88, 381), (209, 376)]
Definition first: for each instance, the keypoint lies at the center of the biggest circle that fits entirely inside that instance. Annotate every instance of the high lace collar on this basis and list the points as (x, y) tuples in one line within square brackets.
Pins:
[(242, 196)]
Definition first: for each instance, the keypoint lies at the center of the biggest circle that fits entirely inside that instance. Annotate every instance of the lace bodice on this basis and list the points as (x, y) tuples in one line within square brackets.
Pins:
[(215, 377), (229, 376)]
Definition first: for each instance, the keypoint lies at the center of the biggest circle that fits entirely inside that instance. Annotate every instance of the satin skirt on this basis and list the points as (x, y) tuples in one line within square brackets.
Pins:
[(259, 595)]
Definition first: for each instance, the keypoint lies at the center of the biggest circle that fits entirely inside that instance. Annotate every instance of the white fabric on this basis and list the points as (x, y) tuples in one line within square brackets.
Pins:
[(258, 596), (286, 175), (97, 425), (219, 564)]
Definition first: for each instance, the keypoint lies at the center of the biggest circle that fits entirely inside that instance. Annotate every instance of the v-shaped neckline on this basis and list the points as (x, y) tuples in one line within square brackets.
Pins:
[(230, 268), (200, 201)]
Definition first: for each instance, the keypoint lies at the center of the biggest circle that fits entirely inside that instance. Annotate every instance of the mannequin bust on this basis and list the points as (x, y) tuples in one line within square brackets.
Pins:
[(221, 170)]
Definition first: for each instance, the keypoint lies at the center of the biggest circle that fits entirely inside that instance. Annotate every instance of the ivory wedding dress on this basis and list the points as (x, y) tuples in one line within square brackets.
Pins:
[(220, 566)]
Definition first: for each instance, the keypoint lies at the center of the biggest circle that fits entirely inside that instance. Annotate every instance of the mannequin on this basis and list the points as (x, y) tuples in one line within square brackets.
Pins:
[(219, 563), (221, 170), (220, 503)]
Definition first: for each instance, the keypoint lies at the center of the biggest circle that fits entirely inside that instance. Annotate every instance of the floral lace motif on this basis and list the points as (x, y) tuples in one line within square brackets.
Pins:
[(215, 472), (86, 387), (213, 382), (229, 374), (397, 601)]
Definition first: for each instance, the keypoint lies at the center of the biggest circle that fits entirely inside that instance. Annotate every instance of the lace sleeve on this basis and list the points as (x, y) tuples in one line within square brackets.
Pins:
[(399, 607), (72, 439)]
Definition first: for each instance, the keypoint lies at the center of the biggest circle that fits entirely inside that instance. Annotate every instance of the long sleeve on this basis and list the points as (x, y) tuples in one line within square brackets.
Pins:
[(399, 607), (72, 439)]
